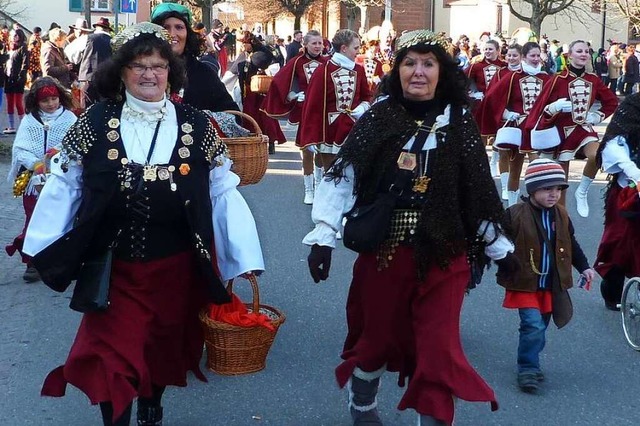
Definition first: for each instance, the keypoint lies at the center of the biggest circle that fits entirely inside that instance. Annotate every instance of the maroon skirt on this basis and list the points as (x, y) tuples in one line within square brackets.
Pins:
[(414, 328), (251, 105), (29, 204), (620, 243), (149, 335)]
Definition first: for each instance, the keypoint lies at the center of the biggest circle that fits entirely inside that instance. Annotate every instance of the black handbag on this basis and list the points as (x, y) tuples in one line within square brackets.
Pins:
[(91, 292), (367, 226)]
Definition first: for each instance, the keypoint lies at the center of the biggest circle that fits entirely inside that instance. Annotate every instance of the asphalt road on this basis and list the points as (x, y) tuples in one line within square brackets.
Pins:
[(591, 374)]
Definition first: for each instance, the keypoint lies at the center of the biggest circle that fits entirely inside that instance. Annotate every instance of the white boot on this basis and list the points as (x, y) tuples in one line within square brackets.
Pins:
[(308, 189), (504, 182), (582, 202), (318, 172), (514, 196), (493, 164)]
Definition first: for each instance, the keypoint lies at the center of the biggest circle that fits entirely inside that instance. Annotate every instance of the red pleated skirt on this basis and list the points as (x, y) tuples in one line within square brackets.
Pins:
[(149, 335), (414, 328), (620, 243)]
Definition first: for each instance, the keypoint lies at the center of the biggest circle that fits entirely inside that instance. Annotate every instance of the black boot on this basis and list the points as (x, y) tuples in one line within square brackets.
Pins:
[(272, 148), (611, 288), (149, 416), (363, 402), (106, 408)]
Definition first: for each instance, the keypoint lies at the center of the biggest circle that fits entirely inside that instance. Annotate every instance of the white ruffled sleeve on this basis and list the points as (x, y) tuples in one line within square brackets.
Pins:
[(616, 159), (497, 248), (330, 203), (234, 229), (56, 208)]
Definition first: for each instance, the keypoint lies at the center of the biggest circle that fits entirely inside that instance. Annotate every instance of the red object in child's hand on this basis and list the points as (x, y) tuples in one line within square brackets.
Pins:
[(583, 282)]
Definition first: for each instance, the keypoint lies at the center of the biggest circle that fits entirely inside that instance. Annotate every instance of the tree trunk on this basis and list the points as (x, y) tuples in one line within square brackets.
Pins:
[(364, 19), (296, 22), (206, 15), (536, 25), (87, 11)]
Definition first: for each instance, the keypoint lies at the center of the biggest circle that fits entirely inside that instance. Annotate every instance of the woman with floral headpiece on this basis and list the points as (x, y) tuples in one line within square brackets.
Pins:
[(418, 150), (143, 193)]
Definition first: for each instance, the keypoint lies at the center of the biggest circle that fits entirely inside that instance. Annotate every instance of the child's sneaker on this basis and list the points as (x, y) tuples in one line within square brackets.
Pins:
[(528, 382), (9, 131)]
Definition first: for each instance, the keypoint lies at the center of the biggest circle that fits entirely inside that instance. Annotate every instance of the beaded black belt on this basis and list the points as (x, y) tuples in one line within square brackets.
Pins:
[(401, 231)]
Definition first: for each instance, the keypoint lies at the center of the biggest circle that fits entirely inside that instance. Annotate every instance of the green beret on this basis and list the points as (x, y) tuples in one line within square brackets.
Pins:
[(163, 8)]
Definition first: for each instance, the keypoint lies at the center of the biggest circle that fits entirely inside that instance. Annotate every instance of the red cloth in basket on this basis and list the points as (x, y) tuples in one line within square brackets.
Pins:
[(236, 313)]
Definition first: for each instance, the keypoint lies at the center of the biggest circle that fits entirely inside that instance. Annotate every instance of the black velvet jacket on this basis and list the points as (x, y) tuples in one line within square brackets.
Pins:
[(87, 141), (204, 90)]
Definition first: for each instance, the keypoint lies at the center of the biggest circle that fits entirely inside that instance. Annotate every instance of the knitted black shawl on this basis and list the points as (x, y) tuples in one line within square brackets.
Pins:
[(461, 193)]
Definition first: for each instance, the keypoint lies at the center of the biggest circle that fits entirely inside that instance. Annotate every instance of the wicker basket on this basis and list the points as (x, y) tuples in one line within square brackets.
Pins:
[(233, 350), (260, 83), (250, 154)]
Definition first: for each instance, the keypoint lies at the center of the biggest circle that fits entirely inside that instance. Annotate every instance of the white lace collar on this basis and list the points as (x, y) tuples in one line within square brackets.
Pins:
[(137, 110), (50, 116), (530, 69), (343, 61)]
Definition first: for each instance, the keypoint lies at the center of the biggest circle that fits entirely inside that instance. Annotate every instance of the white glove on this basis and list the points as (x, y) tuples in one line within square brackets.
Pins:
[(594, 117), (510, 115), (477, 95), (292, 96), (359, 110), (301, 97), (561, 105)]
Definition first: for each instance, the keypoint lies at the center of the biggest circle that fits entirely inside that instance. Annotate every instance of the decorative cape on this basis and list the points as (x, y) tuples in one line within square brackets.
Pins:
[(461, 192)]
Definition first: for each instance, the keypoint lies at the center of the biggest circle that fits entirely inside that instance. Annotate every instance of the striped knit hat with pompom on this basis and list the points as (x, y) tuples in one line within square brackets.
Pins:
[(542, 173)]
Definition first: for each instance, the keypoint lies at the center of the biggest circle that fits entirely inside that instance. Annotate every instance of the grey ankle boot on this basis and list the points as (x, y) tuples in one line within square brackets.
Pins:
[(425, 420), (363, 402)]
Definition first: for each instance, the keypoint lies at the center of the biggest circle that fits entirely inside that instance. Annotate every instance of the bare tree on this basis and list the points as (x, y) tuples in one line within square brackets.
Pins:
[(261, 10), (297, 8), (534, 12), (629, 9), (363, 6)]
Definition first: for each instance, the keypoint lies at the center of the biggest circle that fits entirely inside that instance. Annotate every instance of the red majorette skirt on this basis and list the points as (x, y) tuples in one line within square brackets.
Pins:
[(620, 242), (251, 105), (413, 327), (149, 335)]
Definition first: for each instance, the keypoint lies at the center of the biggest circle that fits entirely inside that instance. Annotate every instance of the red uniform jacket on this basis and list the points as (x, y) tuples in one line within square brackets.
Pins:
[(582, 92), (332, 94), (293, 77), (516, 91), (482, 72), (372, 69)]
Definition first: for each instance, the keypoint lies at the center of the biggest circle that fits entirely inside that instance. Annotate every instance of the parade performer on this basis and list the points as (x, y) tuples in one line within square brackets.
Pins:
[(286, 97), (480, 74), (203, 90), (218, 39), (509, 101), (546, 248), (256, 60), (338, 94), (145, 181), (566, 104), (370, 61), (421, 146), (49, 116), (619, 155), (15, 77)]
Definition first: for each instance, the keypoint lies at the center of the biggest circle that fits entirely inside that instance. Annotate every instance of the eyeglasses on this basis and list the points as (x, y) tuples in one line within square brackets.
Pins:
[(139, 69)]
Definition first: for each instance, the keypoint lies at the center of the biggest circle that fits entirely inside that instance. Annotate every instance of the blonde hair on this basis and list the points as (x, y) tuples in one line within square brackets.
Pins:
[(56, 34), (343, 38)]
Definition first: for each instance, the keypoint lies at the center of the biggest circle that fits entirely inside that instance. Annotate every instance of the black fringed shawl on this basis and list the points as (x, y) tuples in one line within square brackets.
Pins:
[(461, 193)]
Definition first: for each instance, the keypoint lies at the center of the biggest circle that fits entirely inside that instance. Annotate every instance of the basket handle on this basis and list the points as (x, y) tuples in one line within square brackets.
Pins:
[(254, 289), (250, 119)]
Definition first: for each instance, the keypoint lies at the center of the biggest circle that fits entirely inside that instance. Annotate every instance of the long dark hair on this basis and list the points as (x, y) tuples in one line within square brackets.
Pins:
[(22, 42), (195, 45), (452, 82), (108, 79), (31, 99)]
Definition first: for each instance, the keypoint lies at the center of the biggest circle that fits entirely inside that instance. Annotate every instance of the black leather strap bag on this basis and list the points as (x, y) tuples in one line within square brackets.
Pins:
[(367, 226), (91, 292)]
